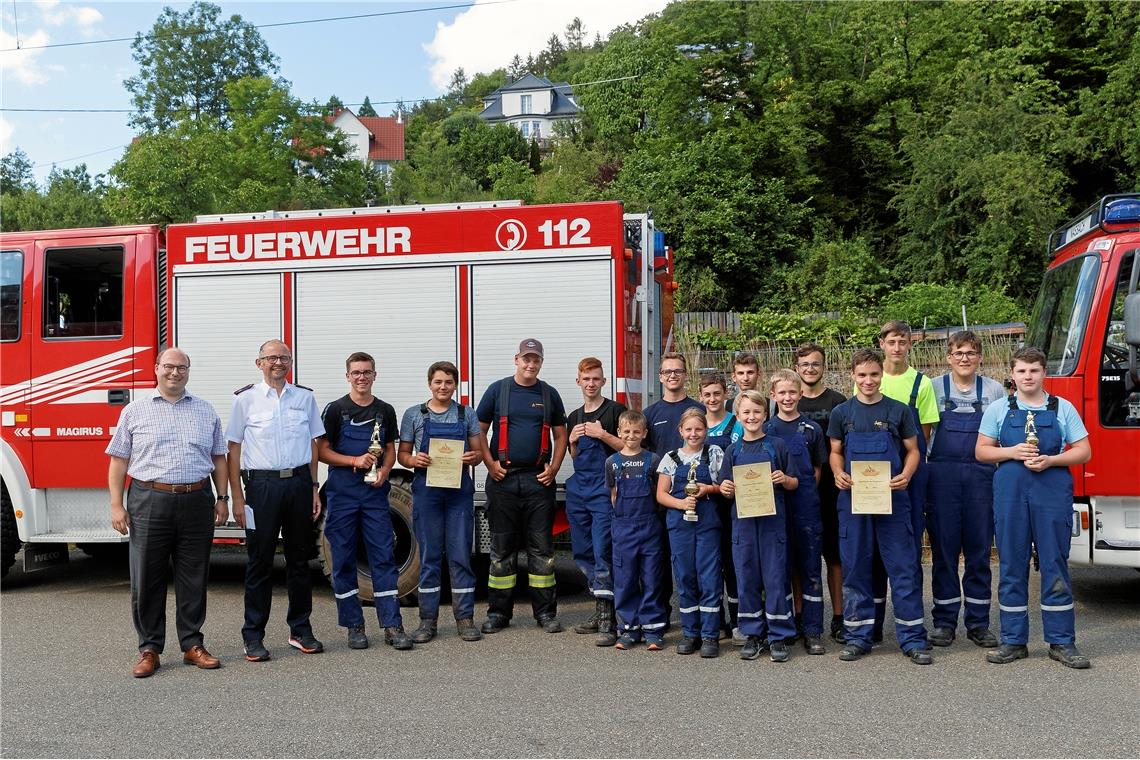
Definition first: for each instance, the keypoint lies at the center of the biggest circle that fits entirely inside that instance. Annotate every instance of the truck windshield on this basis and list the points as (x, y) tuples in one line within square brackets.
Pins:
[(1060, 316)]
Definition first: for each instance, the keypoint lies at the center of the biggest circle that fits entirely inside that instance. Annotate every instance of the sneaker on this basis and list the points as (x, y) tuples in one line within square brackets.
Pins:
[(710, 648), (941, 636), (983, 637), (738, 637), (653, 643), (1069, 656), (467, 630), (307, 643), (919, 657), (590, 626), (686, 645), (495, 623), (779, 651), (812, 645), (626, 641), (357, 638), (426, 632), (1007, 653), (550, 624), (395, 637), (255, 651), (837, 633), (753, 647), (851, 653)]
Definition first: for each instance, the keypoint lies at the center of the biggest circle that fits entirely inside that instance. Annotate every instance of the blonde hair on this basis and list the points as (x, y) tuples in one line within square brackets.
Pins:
[(755, 396), (691, 412), (785, 376)]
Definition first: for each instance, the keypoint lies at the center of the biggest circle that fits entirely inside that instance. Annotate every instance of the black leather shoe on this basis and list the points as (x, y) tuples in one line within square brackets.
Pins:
[(686, 645), (396, 638), (941, 637), (1007, 653), (426, 632), (919, 657), (753, 648), (550, 624), (779, 652), (710, 648), (851, 653), (357, 639), (1069, 656), (467, 630), (812, 645), (495, 623), (983, 637)]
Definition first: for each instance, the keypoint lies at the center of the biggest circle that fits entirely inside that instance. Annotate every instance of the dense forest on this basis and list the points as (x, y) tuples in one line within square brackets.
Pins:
[(842, 158)]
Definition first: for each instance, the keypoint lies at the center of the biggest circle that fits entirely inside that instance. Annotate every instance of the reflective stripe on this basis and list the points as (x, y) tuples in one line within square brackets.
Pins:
[(731, 599), (908, 622), (631, 627), (603, 592), (347, 594), (653, 626), (972, 600), (1056, 607), (429, 590), (501, 581), (381, 594), (810, 598), (955, 600), (689, 609), (540, 581), (857, 623), (777, 617), (710, 609), (789, 597), (749, 614), (1022, 608), (880, 600), (463, 590)]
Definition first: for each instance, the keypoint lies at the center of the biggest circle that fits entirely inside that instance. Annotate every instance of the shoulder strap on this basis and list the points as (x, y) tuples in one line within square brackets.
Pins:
[(705, 454), (243, 389), (1013, 402), (977, 393), (544, 443), (504, 407), (769, 447), (675, 457), (1053, 405), (914, 389), (729, 424), (424, 410), (462, 411), (947, 403)]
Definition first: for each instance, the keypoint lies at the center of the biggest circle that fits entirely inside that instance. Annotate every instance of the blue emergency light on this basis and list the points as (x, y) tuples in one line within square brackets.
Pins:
[(1122, 211)]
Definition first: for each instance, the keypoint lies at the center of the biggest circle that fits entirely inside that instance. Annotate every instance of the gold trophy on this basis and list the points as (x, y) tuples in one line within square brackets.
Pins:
[(1031, 430), (692, 488), (375, 449)]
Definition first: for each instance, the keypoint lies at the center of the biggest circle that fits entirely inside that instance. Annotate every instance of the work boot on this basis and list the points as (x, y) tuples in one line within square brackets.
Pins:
[(710, 648), (467, 630), (357, 638), (919, 657), (779, 652), (1069, 656), (983, 637), (687, 645), (753, 647), (606, 636), (837, 633), (395, 637), (1007, 653), (550, 624), (851, 653), (591, 623), (426, 632), (495, 623), (812, 645), (942, 636)]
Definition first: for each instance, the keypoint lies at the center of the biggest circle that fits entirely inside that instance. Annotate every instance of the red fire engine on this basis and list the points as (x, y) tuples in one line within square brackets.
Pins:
[(85, 310), (1087, 320)]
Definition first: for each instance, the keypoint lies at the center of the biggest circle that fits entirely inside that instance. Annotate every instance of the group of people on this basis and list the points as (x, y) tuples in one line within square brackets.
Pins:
[(647, 486)]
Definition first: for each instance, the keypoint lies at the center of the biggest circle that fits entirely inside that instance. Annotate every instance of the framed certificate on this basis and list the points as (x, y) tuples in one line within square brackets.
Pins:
[(755, 496), (446, 468), (871, 488)]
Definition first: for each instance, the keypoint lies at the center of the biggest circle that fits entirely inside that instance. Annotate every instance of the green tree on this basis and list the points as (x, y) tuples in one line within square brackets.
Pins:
[(16, 173), (333, 105), (366, 108), (185, 61), (511, 179)]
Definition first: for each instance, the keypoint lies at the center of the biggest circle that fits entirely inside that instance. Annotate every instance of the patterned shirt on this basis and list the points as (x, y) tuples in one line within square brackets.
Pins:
[(168, 442), (276, 432)]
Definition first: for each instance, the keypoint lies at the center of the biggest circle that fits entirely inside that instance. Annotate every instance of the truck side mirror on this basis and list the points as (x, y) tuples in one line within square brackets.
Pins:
[(1132, 319)]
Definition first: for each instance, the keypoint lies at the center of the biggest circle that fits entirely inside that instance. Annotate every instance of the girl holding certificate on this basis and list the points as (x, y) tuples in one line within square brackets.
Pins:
[(753, 467)]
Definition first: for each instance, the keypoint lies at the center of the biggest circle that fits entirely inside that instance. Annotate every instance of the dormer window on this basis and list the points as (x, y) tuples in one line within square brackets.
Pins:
[(526, 103)]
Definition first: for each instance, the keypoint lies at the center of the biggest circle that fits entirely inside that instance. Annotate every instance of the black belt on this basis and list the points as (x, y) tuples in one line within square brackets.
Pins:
[(252, 474)]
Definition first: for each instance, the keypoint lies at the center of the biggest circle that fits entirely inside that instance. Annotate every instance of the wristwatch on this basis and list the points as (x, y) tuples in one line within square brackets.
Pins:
[(225, 498)]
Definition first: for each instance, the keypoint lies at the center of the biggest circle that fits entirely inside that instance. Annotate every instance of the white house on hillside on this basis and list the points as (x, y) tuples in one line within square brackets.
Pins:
[(378, 140), (532, 105)]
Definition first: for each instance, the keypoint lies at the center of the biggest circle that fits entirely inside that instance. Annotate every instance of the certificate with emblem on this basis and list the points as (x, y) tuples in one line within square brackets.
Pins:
[(446, 468), (870, 488), (755, 496)]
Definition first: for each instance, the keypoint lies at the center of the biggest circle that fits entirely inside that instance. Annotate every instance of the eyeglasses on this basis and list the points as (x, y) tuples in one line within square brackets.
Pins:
[(179, 368), (672, 372), (274, 359), (959, 356), (357, 374), (810, 365)]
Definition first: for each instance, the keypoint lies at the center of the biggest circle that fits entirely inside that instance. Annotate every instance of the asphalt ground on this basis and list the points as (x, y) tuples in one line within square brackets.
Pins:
[(67, 646)]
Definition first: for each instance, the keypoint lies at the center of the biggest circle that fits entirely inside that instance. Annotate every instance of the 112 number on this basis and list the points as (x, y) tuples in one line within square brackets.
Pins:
[(572, 232)]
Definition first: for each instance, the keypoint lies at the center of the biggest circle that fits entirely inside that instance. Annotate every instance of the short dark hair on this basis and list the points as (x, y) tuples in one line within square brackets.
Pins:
[(358, 356), (895, 326), (447, 367), (676, 357), (867, 356), (807, 349), (1028, 355), (961, 338), (745, 360), (712, 378)]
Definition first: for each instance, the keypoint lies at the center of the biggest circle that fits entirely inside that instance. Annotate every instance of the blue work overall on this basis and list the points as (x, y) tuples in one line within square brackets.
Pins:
[(760, 550), (960, 516), (444, 522), (805, 532), (891, 537), (724, 512), (358, 511), (588, 510), (639, 558), (695, 547), (1034, 507)]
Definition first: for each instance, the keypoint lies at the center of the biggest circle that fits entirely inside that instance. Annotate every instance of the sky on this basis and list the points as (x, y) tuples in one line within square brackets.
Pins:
[(407, 55)]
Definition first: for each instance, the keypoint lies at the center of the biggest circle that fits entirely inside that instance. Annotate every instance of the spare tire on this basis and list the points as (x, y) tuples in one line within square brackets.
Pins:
[(406, 549)]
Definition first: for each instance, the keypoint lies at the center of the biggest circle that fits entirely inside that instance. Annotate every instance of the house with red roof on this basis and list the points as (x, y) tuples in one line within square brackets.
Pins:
[(378, 140)]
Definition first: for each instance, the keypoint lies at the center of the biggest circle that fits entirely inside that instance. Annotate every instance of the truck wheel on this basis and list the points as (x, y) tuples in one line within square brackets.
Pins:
[(116, 552), (9, 536), (407, 550)]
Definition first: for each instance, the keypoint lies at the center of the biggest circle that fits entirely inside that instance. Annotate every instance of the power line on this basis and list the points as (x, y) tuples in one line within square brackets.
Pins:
[(266, 26), (76, 158)]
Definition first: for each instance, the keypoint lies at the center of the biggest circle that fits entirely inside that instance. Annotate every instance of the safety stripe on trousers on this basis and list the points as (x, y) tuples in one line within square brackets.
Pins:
[(653, 626), (501, 581), (347, 594), (908, 622), (710, 609), (777, 617), (603, 593), (429, 590), (381, 594), (810, 598), (731, 599), (463, 590), (1056, 607), (955, 600), (749, 614), (1005, 608), (857, 623), (880, 600), (689, 609), (540, 581), (972, 600), (630, 627)]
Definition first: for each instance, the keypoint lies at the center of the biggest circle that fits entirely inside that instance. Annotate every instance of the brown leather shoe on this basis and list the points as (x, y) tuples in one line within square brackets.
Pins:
[(147, 664), (199, 657)]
